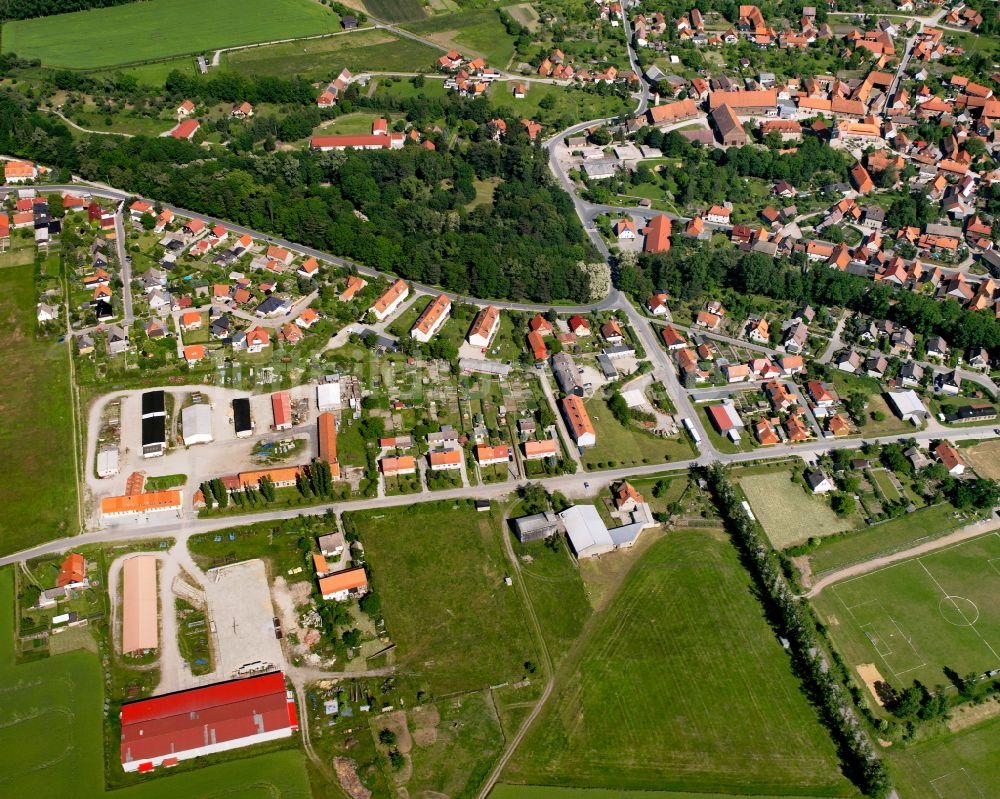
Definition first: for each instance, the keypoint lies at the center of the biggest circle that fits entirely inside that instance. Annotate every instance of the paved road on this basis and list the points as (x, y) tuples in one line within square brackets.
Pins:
[(572, 485)]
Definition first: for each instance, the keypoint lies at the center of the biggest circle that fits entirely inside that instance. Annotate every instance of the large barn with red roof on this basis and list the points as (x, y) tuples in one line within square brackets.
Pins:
[(167, 729)]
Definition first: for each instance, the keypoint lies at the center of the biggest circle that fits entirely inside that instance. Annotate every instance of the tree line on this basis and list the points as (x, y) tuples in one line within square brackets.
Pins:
[(26, 9), (825, 683), (692, 272)]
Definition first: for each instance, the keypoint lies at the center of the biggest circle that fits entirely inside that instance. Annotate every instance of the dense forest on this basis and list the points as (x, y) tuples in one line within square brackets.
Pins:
[(691, 272), (409, 212), (26, 9)]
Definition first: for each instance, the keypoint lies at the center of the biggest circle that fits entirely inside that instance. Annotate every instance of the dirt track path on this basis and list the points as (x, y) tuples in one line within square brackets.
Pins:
[(963, 534)]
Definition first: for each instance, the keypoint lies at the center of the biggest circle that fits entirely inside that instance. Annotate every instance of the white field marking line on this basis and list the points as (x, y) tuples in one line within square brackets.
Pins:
[(874, 640), (993, 564), (885, 613), (960, 612), (962, 771)]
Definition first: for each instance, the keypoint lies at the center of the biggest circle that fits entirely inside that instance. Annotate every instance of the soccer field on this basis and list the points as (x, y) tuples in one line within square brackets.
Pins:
[(962, 766), (917, 617), (681, 685), (156, 29)]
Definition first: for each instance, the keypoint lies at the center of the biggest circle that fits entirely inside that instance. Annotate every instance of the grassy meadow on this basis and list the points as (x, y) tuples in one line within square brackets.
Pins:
[(39, 493), (322, 59), (787, 513), (681, 685), (156, 29), (439, 570)]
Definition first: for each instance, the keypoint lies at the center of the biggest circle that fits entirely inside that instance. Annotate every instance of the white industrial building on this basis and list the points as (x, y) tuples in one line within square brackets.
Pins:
[(589, 535), (196, 422), (907, 406), (328, 396), (107, 461)]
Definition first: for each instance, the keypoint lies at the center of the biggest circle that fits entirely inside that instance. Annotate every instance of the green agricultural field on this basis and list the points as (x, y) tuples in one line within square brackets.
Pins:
[(39, 491), (552, 580), (473, 32), (395, 10), (624, 446), (322, 59), (963, 766), (439, 571), (506, 791), (681, 685), (51, 737), (157, 29), (917, 617), (885, 538), (787, 513)]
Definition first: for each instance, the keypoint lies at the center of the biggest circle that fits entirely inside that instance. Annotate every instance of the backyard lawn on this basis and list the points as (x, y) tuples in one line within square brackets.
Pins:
[(39, 492), (620, 446), (681, 685), (160, 29), (984, 458), (438, 569)]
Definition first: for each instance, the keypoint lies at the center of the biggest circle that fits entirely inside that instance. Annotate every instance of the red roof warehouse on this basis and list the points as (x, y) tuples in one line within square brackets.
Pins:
[(179, 726)]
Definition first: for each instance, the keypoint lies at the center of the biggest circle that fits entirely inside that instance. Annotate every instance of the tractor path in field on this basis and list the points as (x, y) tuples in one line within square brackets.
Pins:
[(957, 537)]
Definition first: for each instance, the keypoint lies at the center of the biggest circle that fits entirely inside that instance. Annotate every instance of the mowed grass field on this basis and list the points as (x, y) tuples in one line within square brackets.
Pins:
[(51, 739), (38, 491), (322, 59), (157, 29), (477, 31), (395, 10), (681, 685), (625, 446), (507, 791), (917, 617), (439, 571), (787, 513), (962, 766), (884, 538)]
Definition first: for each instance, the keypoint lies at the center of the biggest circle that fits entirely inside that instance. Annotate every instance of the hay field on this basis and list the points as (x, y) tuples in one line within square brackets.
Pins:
[(787, 513), (155, 29)]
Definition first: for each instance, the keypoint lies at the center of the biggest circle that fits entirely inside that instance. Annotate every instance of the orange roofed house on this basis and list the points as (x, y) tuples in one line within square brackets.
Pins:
[(136, 504), (393, 297), (578, 421), (484, 327), (658, 234), (432, 319), (344, 584)]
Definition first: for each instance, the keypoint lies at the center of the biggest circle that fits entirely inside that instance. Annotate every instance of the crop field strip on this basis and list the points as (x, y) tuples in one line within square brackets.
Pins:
[(924, 614), (680, 703), (160, 29)]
